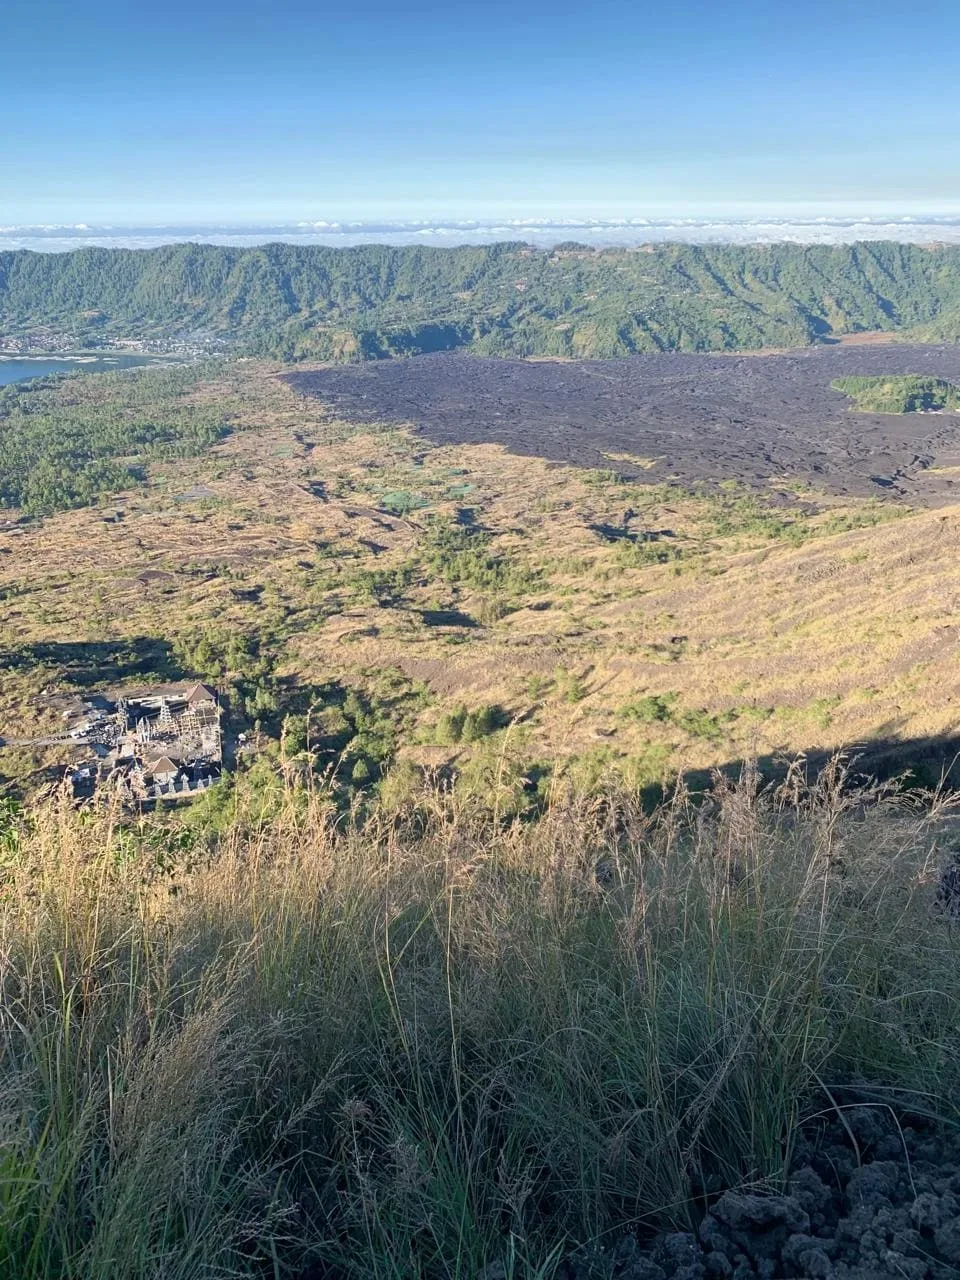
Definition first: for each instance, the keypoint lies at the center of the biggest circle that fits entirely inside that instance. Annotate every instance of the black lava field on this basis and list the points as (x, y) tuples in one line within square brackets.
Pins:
[(703, 418)]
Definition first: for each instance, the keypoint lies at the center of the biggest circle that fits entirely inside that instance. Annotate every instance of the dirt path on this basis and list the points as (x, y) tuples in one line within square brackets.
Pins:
[(38, 742)]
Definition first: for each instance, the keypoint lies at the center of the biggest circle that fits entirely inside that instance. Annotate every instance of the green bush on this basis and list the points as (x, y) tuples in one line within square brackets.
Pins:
[(463, 726), (661, 708), (639, 554), (650, 709), (462, 555)]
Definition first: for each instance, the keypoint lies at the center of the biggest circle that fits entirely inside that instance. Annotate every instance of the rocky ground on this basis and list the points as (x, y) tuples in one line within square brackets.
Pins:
[(870, 1197), (699, 418)]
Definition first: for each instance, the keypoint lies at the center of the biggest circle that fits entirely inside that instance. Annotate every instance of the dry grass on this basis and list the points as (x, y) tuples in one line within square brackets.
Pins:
[(428, 1045), (845, 637)]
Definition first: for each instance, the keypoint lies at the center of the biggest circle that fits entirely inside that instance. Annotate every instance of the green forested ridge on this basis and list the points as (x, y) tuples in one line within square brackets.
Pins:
[(507, 299), (899, 394)]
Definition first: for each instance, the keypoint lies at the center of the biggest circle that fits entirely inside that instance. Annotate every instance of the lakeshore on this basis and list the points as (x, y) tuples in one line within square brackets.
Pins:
[(20, 368)]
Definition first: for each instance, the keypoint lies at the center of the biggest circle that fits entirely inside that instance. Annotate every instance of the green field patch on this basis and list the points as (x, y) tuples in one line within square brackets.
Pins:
[(400, 502), (900, 394)]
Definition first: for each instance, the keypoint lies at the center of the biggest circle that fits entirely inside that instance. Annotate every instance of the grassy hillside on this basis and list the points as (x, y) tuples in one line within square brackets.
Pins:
[(459, 609), (909, 394), (295, 302), (431, 1046)]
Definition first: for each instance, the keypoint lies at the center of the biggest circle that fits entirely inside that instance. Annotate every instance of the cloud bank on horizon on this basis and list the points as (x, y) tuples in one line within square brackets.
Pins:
[(543, 232)]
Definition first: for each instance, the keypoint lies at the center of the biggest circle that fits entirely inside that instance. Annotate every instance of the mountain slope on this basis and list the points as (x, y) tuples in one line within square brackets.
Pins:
[(376, 300), (745, 623)]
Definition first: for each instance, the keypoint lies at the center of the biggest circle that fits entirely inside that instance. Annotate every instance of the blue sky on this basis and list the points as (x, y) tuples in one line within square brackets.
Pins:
[(125, 111)]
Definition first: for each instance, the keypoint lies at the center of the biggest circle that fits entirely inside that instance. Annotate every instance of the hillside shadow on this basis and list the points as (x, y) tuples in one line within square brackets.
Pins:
[(85, 664), (923, 763), (447, 618)]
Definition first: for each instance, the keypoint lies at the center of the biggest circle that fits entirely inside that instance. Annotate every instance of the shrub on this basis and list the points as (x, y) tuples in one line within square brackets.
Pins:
[(571, 685), (461, 725), (650, 709), (639, 554), (462, 554)]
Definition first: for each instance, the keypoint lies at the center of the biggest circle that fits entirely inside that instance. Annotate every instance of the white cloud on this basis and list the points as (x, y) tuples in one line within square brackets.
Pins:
[(817, 228)]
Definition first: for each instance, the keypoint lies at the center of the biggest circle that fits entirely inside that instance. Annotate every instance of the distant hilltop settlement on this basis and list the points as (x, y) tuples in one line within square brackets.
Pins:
[(157, 744)]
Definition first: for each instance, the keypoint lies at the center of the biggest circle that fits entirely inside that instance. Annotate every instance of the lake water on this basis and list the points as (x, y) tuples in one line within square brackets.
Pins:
[(18, 368)]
